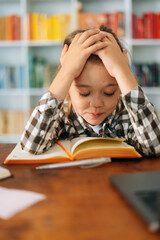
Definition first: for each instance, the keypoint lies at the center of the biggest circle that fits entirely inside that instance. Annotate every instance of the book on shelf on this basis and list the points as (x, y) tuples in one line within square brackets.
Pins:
[(75, 149), (146, 26), (41, 73), (47, 27), (4, 173), (12, 122), (10, 28), (11, 76), (147, 74), (114, 20)]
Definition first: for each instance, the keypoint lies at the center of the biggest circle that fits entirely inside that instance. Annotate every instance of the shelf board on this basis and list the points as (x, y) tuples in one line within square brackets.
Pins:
[(23, 92), (32, 43), (45, 43), (145, 42)]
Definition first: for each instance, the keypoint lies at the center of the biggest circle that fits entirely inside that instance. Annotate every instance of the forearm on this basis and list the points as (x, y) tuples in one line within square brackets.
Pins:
[(61, 84), (125, 79), (43, 127)]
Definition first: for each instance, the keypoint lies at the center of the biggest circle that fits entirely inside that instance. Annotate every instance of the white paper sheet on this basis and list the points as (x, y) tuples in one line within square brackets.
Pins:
[(13, 201)]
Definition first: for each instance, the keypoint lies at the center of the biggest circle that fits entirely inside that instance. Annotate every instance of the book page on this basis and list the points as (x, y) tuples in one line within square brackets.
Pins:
[(67, 145), (77, 141), (54, 151)]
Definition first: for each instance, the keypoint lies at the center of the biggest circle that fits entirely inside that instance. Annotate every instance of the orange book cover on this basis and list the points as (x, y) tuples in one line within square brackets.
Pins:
[(76, 149), (2, 28), (8, 32), (121, 24), (29, 26), (87, 20)]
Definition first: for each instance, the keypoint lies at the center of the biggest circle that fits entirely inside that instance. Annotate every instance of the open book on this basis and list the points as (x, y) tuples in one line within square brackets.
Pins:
[(76, 149)]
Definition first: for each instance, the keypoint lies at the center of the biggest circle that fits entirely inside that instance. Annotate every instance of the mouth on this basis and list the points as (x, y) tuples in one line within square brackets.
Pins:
[(96, 115)]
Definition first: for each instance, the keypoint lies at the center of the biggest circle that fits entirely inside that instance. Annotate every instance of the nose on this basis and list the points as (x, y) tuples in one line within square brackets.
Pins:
[(96, 101)]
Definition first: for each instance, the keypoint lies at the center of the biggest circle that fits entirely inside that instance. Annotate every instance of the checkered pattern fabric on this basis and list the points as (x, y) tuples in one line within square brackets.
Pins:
[(133, 119)]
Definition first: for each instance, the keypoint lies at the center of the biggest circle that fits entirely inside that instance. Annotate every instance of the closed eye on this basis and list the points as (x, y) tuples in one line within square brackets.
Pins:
[(109, 94), (84, 94)]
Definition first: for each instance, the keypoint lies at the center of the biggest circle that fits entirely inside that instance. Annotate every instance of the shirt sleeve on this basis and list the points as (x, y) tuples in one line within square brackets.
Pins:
[(44, 125), (144, 132)]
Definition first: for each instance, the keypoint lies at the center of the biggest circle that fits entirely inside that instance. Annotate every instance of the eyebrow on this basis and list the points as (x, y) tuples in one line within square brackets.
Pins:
[(85, 85)]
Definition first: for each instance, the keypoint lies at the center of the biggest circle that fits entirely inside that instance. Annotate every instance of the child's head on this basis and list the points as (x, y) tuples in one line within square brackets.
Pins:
[(94, 94)]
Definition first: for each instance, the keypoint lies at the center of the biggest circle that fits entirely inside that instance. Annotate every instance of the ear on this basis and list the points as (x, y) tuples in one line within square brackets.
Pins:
[(64, 50), (125, 53)]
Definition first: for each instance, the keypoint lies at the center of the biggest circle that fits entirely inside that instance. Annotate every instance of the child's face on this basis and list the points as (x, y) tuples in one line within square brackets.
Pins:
[(94, 94)]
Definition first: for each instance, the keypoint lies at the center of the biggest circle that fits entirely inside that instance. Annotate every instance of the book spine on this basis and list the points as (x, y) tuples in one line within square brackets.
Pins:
[(12, 122), (35, 26), (146, 26), (11, 76), (147, 74), (114, 20), (43, 27)]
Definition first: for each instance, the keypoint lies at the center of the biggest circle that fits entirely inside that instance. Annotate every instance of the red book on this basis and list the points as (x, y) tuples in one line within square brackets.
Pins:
[(157, 25), (140, 28), (134, 26), (15, 27), (149, 25)]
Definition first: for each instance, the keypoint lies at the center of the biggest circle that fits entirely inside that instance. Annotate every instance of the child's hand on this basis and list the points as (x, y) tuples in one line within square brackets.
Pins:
[(74, 57), (117, 64), (112, 56)]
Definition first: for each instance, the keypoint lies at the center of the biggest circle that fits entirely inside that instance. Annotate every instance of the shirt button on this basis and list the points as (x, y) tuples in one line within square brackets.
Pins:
[(42, 132)]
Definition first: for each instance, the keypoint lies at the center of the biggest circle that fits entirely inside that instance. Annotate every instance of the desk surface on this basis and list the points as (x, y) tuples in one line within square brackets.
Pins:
[(80, 203)]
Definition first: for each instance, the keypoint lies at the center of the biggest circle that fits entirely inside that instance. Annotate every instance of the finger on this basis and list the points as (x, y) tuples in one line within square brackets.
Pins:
[(110, 37), (97, 46), (94, 38), (85, 35), (105, 39), (64, 50)]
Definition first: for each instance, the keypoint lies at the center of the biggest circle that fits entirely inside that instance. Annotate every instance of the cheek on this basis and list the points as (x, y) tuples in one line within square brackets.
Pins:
[(112, 102), (78, 103)]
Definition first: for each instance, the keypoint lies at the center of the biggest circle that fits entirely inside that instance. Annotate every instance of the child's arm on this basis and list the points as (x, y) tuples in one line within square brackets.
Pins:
[(144, 131), (73, 59), (44, 126), (117, 64)]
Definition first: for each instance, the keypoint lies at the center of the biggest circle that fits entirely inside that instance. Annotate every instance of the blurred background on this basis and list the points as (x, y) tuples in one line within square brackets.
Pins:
[(31, 38)]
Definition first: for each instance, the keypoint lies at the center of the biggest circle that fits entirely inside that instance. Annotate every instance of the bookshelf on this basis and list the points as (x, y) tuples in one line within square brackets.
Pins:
[(17, 52)]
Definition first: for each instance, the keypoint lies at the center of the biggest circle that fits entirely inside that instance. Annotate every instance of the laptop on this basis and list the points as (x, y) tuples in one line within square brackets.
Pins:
[(142, 190)]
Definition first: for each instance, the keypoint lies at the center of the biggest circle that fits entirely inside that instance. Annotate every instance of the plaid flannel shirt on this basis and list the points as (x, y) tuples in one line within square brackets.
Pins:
[(133, 119)]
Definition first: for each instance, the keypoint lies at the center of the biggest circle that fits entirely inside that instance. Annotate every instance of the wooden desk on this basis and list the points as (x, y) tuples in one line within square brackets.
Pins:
[(80, 203)]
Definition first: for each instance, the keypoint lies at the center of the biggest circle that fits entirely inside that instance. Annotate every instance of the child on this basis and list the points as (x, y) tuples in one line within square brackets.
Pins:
[(93, 94)]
